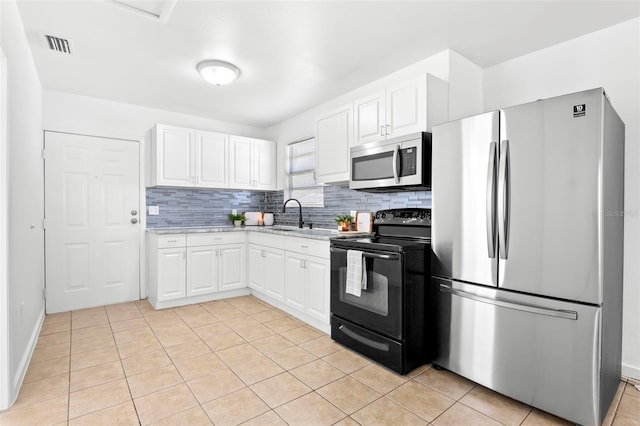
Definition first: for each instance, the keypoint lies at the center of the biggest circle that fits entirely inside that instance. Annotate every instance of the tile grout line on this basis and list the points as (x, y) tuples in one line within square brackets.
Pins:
[(249, 313), (135, 408)]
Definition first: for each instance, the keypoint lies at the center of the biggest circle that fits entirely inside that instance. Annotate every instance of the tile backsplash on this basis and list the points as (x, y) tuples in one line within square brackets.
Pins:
[(339, 199), (181, 207)]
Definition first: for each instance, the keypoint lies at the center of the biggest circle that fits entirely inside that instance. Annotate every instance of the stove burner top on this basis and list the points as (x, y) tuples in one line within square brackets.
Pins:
[(395, 230)]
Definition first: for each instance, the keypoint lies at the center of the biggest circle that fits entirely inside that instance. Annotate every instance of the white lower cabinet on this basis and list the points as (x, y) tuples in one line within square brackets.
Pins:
[(232, 266), (171, 273), (193, 268), (266, 270), (292, 273), (215, 268), (307, 277), (256, 266), (274, 273), (266, 264), (295, 280), (203, 270), (318, 288)]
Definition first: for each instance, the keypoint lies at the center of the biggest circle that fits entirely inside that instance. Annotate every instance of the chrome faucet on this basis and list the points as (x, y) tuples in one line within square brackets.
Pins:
[(300, 222)]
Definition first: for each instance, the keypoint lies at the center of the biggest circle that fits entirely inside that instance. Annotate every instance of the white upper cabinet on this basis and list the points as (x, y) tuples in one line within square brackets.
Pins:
[(252, 163), (200, 159), (240, 162), (263, 163), (212, 169), (370, 118), (334, 136), (408, 107), (172, 156)]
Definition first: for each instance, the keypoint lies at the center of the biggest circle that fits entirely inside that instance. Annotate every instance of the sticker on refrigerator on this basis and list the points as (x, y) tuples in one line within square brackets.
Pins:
[(579, 110)]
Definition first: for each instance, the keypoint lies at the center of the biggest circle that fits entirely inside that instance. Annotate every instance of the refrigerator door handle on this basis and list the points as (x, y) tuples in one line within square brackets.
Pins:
[(396, 167), (558, 313), (491, 201), (503, 200)]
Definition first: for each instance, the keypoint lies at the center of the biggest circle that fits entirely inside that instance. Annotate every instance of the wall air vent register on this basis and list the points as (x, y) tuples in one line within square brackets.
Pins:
[(57, 44)]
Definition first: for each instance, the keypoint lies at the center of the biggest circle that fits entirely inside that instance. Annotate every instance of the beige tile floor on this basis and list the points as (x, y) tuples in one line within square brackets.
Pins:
[(241, 361)]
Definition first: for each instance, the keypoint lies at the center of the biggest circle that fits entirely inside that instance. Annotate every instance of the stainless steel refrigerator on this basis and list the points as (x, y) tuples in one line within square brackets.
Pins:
[(527, 242)]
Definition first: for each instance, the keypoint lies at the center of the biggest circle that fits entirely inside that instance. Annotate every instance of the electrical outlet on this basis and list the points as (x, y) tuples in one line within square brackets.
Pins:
[(154, 210)]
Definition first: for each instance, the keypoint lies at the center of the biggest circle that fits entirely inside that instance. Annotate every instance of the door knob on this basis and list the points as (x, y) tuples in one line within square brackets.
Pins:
[(134, 212), (134, 220)]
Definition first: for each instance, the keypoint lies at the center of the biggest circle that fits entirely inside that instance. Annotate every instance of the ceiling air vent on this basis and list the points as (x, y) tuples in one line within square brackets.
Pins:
[(57, 44)]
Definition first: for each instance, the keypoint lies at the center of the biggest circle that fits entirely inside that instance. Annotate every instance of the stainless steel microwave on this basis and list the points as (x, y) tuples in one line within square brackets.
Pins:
[(398, 164)]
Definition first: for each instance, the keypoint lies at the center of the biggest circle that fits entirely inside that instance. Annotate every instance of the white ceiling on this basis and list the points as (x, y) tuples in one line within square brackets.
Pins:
[(293, 55)]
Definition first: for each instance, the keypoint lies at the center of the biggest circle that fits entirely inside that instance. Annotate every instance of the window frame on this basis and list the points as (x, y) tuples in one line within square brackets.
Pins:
[(316, 188)]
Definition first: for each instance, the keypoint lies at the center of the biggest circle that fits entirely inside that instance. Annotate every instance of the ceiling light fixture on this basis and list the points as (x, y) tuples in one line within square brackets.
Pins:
[(218, 72)]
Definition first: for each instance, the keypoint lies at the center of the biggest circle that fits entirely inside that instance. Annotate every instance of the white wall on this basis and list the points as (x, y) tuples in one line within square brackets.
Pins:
[(82, 114), (465, 87), (608, 58), (25, 198)]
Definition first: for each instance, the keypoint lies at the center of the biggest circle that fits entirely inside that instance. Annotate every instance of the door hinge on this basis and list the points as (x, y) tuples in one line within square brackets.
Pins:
[(44, 224), (44, 154), (44, 293)]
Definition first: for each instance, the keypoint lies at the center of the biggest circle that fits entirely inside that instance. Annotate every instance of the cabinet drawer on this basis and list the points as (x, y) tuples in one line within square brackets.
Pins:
[(319, 248), (172, 240), (207, 239), (269, 240)]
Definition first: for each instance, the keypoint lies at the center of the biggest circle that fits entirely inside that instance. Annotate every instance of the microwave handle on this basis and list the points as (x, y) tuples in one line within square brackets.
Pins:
[(396, 152)]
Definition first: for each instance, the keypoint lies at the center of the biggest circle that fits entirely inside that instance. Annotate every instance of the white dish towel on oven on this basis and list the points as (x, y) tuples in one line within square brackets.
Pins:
[(356, 272)]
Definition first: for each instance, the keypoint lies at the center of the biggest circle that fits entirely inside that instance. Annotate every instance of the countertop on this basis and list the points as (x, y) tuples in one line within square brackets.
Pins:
[(316, 233)]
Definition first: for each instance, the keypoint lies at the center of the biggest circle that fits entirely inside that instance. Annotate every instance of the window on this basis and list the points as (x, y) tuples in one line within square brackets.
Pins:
[(301, 169)]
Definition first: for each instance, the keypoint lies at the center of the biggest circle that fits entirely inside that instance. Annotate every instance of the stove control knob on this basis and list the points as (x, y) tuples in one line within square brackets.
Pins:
[(384, 215), (422, 214)]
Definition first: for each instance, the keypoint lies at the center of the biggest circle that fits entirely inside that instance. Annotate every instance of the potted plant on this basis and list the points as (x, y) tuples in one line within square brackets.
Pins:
[(237, 219), (344, 222)]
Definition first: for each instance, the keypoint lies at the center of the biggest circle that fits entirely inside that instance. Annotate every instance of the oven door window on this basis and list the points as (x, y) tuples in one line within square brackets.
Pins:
[(379, 307)]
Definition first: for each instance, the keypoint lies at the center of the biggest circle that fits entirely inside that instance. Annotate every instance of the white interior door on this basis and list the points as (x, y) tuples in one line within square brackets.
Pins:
[(92, 216)]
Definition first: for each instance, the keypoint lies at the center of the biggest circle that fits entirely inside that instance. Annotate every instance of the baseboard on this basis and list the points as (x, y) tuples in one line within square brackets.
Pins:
[(325, 328), (631, 372), (26, 359), (199, 299)]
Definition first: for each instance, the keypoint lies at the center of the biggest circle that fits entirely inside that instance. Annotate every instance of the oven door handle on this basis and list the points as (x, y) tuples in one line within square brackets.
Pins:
[(370, 255)]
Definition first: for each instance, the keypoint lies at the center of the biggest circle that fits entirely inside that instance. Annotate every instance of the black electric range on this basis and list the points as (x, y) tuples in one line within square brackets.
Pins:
[(387, 321)]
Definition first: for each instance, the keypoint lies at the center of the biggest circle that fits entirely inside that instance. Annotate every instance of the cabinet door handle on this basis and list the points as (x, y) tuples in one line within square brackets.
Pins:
[(381, 130), (304, 246), (388, 132)]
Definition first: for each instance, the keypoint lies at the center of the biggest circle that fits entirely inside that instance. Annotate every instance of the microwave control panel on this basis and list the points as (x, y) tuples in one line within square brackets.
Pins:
[(408, 161)]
